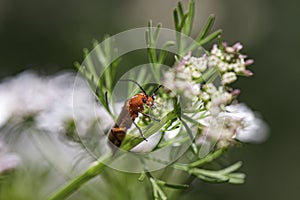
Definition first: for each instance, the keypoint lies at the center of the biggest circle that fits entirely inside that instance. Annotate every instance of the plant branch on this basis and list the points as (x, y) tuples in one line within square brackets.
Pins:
[(75, 184)]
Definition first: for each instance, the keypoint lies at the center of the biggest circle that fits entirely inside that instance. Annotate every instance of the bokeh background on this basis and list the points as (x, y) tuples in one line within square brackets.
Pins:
[(48, 36)]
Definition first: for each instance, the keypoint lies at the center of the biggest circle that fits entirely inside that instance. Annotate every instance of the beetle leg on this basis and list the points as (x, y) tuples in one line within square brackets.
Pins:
[(151, 117), (141, 133)]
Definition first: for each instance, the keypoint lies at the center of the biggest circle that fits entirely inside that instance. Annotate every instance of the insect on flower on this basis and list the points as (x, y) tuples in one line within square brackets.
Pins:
[(129, 112)]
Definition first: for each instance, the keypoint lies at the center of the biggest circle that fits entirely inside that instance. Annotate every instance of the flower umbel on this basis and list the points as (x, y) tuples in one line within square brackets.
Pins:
[(226, 121), (229, 61), (184, 78)]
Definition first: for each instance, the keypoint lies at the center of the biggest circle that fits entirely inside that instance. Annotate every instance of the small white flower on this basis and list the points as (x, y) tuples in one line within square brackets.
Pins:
[(213, 61), (210, 88), (228, 77), (223, 67), (199, 63), (205, 96), (237, 46), (239, 67), (230, 49), (215, 99), (196, 74)]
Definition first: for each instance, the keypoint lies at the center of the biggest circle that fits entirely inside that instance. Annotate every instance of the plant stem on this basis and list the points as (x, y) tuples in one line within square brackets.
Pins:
[(75, 184), (207, 159)]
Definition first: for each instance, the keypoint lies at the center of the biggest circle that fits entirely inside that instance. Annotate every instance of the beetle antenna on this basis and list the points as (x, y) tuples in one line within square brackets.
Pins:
[(157, 89), (136, 84)]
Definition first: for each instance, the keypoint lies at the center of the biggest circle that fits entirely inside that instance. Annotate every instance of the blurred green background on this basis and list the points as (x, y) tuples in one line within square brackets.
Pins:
[(48, 36)]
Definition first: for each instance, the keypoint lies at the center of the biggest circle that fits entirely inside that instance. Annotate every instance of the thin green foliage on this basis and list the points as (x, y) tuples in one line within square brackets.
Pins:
[(103, 86)]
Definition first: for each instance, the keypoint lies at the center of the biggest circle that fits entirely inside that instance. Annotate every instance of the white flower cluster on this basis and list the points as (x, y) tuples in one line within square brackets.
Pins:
[(238, 122), (226, 122), (215, 99), (181, 79), (184, 77), (250, 127), (50, 101), (230, 62)]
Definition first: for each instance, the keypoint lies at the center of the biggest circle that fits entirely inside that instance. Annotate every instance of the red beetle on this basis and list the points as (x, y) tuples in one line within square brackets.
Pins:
[(130, 111)]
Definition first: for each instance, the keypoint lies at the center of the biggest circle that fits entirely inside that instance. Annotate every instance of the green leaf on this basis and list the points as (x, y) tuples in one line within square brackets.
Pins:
[(176, 19), (207, 159), (194, 148), (183, 23), (223, 175), (189, 19), (231, 168), (237, 178), (220, 42), (210, 37), (191, 120), (172, 185), (180, 9), (209, 173), (155, 35), (177, 107), (89, 62), (157, 191), (207, 27), (211, 180), (163, 52), (188, 130), (142, 177)]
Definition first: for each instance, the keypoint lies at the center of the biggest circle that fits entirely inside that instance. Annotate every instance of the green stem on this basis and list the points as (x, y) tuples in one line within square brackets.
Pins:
[(209, 158), (75, 184)]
